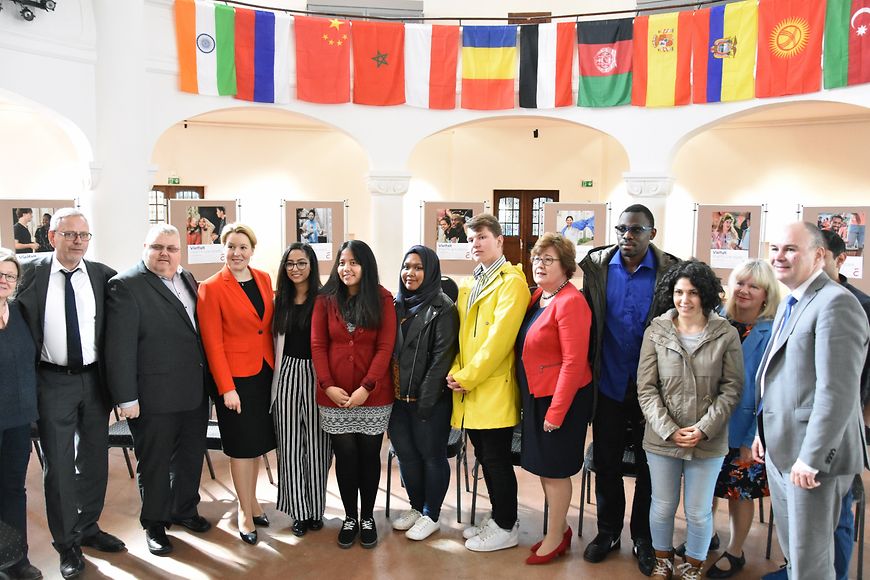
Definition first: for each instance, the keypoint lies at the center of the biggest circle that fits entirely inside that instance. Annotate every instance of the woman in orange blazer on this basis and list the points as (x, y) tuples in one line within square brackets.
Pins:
[(552, 370), (235, 318)]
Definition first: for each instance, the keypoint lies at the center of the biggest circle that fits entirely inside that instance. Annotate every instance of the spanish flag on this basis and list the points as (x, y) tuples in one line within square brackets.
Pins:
[(662, 60), (205, 35), (489, 65), (725, 39), (789, 47)]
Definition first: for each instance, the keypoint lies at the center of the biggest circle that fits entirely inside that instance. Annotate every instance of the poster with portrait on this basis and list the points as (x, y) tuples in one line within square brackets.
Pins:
[(582, 223), (200, 223), (850, 224), (25, 225), (725, 236), (444, 231), (320, 224)]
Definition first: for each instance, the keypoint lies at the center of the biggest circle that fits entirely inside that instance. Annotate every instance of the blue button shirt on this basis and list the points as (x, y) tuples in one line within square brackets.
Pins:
[(629, 297)]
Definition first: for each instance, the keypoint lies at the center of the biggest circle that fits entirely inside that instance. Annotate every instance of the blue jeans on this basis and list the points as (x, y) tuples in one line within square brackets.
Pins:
[(843, 538), (421, 446), (700, 481), (14, 456)]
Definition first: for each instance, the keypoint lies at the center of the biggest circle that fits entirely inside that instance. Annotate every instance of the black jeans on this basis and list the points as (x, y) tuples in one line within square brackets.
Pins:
[(14, 456), (492, 448), (358, 471)]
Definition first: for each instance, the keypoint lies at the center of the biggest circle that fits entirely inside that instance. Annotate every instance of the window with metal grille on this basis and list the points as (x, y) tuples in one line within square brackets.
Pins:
[(538, 214), (509, 215)]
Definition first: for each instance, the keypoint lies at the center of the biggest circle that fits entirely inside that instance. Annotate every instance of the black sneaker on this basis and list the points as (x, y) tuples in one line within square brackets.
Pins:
[(368, 534), (348, 533)]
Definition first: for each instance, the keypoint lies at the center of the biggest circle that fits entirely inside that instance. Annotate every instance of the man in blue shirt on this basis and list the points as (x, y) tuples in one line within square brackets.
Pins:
[(619, 283)]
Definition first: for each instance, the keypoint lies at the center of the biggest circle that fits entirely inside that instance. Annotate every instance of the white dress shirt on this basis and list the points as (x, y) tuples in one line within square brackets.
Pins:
[(54, 325)]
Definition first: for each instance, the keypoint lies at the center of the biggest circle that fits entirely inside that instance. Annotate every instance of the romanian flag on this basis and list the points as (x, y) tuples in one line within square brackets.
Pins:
[(431, 58), (322, 60), (205, 36), (546, 58), (378, 63), (725, 39), (263, 56), (847, 43), (662, 60), (604, 48), (789, 47), (489, 64)]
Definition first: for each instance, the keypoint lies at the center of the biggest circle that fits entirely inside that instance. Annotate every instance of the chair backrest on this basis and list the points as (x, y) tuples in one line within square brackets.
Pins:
[(449, 287)]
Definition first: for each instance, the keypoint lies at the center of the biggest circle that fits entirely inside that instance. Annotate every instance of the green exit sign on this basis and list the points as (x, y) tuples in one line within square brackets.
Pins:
[(177, 181), (586, 183)]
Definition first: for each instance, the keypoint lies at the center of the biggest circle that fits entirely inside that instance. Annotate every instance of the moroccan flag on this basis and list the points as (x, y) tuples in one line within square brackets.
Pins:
[(662, 60), (322, 60), (378, 63), (604, 48), (431, 58), (489, 64), (205, 36), (847, 43), (263, 56), (789, 47), (546, 58), (724, 41)]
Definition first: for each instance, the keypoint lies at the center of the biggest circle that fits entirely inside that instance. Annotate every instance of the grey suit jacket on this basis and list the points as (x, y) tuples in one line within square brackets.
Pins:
[(811, 374)]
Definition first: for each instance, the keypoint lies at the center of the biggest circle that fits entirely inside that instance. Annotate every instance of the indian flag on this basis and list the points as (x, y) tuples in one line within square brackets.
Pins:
[(205, 33)]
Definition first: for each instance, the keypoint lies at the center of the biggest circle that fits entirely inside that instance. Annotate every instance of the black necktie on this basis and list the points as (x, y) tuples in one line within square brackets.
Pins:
[(73, 336)]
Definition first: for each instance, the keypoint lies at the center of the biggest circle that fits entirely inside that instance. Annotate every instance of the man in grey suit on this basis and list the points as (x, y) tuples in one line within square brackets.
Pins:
[(811, 433)]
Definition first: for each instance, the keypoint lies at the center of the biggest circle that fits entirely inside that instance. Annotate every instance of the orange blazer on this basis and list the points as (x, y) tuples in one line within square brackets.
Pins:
[(236, 341)]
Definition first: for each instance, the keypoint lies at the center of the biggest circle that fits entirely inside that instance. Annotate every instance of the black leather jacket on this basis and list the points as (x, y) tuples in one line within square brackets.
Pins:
[(426, 354)]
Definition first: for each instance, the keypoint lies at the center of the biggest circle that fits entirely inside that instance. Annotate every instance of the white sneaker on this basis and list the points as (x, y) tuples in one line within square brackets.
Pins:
[(407, 520), (423, 528), (472, 531), (494, 538)]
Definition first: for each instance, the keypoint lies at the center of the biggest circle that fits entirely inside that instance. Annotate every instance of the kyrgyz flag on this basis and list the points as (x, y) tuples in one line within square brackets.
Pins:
[(546, 58), (489, 65), (431, 57), (724, 41), (847, 43), (604, 48), (662, 60), (378, 63), (789, 47), (263, 56), (322, 60), (205, 37)]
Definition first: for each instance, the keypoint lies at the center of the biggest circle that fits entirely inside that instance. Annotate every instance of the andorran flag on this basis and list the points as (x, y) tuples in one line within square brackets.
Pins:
[(662, 60), (378, 63), (322, 60), (263, 56), (546, 59), (206, 47), (789, 47), (847, 43), (604, 48), (489, 64), (724, 41), (431, 58)]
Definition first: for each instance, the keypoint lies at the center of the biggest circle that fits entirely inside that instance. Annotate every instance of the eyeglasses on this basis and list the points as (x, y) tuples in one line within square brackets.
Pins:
[(11, 278), (71, 236), (160, 248), (301, 265), (546, 260), (635, 230)]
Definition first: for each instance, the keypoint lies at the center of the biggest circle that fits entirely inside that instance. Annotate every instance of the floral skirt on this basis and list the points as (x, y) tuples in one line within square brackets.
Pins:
[(741, 479)]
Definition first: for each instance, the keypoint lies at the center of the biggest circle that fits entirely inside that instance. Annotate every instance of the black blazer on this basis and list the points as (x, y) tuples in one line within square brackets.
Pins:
[(153, 352)]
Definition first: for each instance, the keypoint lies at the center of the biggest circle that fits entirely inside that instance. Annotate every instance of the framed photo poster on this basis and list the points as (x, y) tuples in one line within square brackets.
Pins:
[(850, 223), (585, 224), (200, 222), (725, 236), (319, 223), (444, 231), (26, 221)]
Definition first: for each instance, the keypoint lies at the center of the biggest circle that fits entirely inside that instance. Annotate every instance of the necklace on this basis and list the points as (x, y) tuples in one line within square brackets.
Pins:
[(545, 296)]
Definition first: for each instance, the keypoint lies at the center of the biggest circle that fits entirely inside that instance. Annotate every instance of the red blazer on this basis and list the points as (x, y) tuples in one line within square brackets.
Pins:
[(555, 353), (350, 360), (236, 341)]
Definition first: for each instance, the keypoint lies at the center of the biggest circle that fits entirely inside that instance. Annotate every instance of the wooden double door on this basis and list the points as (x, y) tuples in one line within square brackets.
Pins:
[(521, 214)]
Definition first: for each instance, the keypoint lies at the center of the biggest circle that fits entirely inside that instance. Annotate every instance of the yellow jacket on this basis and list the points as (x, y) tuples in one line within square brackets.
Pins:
[(484, 365)]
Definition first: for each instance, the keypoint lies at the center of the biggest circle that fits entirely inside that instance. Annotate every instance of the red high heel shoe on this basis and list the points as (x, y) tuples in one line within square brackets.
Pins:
[(535, 559)]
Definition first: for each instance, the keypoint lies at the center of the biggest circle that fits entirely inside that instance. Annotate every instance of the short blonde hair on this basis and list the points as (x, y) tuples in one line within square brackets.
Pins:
[(564, 248), (239, 229), (762, 274)]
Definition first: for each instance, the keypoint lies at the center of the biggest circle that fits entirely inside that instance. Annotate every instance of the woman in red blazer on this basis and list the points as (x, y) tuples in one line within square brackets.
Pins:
[(552, 370), (235, 319), (353, 330)]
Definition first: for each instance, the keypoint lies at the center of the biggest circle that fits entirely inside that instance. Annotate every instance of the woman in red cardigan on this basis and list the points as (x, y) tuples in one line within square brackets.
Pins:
[(353, 330), (554, 373), (235, 320)]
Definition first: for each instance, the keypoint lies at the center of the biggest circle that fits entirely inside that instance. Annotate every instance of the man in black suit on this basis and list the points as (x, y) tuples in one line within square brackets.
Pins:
[(156, 370), (62, 298), (221, 213)]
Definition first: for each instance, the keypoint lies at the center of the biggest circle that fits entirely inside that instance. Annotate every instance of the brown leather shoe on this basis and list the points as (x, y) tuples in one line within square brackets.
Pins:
[(664, 568)]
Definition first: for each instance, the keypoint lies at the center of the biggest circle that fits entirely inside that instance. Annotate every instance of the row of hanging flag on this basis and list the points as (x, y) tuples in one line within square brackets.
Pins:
[(747, 49)]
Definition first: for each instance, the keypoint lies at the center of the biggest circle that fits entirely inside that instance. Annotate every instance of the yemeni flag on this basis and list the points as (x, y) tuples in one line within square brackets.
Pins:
[(662, 60), (322, 60), (378, 63), (206, 47), (605, 51), (431, 58), (725, 39), (546, 58), (789, 47), (263, 56), (847, 43)]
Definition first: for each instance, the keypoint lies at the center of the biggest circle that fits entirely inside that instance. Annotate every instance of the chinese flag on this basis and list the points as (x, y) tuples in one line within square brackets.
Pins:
[(322, 60), (789, 47), (378, 63)]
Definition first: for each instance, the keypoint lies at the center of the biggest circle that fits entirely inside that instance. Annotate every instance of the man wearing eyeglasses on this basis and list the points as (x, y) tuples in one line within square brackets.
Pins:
[(62, 297), (619, 283), (157, 375)]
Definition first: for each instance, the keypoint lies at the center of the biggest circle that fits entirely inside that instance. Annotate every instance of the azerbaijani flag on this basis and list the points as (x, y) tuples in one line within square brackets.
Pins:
[(725, 39), (263, 56), (604, 48), (662, 60), (431, 58), (546, 58), (206, 53), (847, 43), (489, 64), (789, 47)]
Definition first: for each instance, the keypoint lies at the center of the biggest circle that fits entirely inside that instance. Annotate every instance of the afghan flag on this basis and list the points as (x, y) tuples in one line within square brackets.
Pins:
[(725, 39), (378, 63), (546, 58), (662, 60), (489, 64), (847, 43), (605, 50), (205, 37), (322, 60), (431, 58), (263, 56), (789, 47)]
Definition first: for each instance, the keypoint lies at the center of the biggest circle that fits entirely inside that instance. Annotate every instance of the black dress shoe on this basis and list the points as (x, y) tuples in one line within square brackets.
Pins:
[(195, 523), (157, 541), (104, 542), (299, 528), (71, 563), (735, 565), (314, 524), (598, 548), (261, 520), (24, 570), (646, 556), (249, 537)]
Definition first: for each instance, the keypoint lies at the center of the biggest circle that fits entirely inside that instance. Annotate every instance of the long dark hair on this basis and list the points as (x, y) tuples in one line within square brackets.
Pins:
[(364, 309), (286, 317)]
